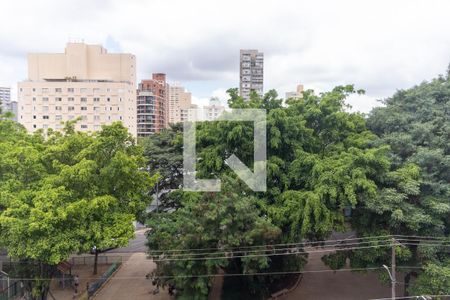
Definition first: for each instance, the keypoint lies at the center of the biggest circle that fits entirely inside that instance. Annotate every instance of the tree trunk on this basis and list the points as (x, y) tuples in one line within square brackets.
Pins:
[(95, 262), (407, 281)]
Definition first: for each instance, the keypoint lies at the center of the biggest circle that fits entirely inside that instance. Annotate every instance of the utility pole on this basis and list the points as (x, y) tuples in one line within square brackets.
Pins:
[(393, 279)]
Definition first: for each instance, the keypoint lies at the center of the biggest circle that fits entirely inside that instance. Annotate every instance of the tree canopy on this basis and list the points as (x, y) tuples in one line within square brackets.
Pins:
[(64, 193)]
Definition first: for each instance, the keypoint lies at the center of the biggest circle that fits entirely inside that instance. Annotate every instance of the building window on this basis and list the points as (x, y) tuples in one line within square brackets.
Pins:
[(83, 90), (34, 117), (58, 107), (84, 118), (84, 126), (108, 99), (84, 108), (96, 108), (83, 99), (34, 98), (96, 118), (71, 99), (34, 90), (58, 117), (34, 126), (45, 99), (45, 126), (96, 90), (71, 108), (58, 99), (58, 90), (45, 90), (70, 90), (45, 117), (71, 117), (96, 99), (44, 108)]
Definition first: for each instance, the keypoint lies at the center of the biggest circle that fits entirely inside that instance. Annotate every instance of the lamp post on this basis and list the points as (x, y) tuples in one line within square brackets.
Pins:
[(392, 277)]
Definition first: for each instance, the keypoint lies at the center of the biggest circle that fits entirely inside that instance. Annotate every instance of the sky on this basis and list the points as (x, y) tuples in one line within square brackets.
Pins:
[(380, 46)]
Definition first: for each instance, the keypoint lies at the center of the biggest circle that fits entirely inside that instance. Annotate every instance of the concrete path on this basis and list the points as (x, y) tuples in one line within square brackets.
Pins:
[(129, 282), (340, 285)]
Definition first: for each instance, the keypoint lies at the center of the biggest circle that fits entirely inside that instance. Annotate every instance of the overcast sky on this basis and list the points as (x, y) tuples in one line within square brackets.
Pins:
[(379, 46)]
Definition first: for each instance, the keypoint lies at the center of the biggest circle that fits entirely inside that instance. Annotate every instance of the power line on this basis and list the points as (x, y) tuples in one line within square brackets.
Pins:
[(273, 250), (291, 253), (312, 243)]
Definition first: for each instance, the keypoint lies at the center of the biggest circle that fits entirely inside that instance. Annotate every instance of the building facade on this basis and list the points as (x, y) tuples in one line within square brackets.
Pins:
[(7, 105), (152, 105), (251, 73), (5, 98), (212, 111), (84, 82), (297, 94), (180, 101)]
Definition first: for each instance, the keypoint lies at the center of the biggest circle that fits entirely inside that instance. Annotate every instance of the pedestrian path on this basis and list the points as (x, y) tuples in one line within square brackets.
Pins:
[(129, 282), (340, 285)]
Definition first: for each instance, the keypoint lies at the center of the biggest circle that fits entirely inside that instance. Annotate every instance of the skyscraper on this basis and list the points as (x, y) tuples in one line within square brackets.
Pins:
[(152, 105), (6, 104), (83, 82), (251, 72)]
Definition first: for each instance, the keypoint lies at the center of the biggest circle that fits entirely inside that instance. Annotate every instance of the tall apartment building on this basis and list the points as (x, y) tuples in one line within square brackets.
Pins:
[(251, 72), (152, 105), (213, 110), (84, 82), (297, 94), (180, 102)]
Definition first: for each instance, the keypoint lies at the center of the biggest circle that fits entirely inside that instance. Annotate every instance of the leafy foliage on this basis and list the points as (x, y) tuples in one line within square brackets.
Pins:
[(321, 160), (66, 193)]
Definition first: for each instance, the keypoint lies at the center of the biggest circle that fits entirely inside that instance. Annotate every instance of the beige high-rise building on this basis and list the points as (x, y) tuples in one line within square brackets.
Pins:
[(83, 82), (180, 101)]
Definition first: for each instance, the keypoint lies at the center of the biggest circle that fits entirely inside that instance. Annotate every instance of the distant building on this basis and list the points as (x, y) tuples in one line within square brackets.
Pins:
[(5, 98), (152, 105), (296, 94), (7, 105), (180, 101), (251, 72), (213, 110), (83, 82)]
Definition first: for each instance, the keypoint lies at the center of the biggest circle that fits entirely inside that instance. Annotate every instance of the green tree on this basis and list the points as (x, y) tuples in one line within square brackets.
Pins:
[(65, 194), (321, 160), (413, 195), (164, 155), (435, 281), (220, 222)]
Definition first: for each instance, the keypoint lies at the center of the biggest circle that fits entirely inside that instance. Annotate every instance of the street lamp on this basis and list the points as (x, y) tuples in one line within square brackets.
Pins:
[(392, 277)]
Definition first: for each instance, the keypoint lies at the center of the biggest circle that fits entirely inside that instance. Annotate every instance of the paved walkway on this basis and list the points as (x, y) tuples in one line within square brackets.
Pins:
[(340, 285), (130, 283)]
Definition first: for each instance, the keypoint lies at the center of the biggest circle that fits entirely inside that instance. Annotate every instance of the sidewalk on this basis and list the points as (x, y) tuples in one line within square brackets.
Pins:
[(130, 283), (340, 285)]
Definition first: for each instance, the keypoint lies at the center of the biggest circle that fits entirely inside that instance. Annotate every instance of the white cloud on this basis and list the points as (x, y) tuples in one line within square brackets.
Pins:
[(379, 46)]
